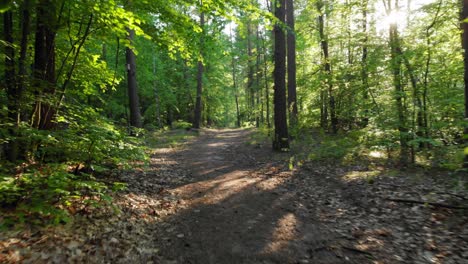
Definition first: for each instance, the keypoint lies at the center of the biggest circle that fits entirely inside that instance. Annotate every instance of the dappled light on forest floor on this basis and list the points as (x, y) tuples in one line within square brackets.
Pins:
[(284, 232), (361, 175), (216, 190), (217, 200)]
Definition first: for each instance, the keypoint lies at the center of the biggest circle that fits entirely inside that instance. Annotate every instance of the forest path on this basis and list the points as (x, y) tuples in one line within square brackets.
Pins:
[(242, 207), (220, 199)]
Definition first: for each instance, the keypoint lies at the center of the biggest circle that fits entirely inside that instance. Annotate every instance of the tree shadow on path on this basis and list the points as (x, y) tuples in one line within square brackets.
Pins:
[(240, 209)]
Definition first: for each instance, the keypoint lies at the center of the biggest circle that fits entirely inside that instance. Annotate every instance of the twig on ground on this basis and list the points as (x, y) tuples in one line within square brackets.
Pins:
[(423, 202)]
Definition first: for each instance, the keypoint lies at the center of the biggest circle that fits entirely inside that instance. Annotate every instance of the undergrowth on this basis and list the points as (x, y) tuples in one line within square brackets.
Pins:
[(368, 145), (61, 171)]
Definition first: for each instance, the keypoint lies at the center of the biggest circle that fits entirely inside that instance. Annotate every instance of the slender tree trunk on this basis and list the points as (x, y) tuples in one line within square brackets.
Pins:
[(250, 75), (134, 104), (396, 62), (156, 95), (10, 84), (198, 103), (426, 72), (234, 82), (465, 75), (265, 77), (364, 72), (327, 67), (258, 90), (25, 25), (291, 43), (44, 65), (281, 138), (417, 102)]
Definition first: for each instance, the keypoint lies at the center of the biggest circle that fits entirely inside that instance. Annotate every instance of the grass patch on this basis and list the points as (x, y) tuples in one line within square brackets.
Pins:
[(169, 139)]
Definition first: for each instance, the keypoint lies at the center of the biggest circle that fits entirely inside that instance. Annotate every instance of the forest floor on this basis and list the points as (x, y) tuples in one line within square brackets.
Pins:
[(218, 199)]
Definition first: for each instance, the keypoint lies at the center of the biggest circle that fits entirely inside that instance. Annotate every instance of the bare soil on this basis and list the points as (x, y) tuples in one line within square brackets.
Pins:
[(221, 200)]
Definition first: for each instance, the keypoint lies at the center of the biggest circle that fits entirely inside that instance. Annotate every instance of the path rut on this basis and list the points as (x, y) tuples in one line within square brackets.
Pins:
[(240, 209)]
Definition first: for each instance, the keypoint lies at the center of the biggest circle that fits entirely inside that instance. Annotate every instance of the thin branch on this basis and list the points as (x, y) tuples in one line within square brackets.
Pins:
[(72, 68), (423, 202)]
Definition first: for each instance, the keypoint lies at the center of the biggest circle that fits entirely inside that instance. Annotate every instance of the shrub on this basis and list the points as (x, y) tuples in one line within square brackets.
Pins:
[(49, 194)]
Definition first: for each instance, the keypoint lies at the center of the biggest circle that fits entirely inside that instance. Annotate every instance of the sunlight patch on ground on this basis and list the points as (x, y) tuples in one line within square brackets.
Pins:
[(218, 144), (371, 240), (284, 233), (219, 189), (163, 160), (274, 182), (213, 170), (147, 208), (360, 175)]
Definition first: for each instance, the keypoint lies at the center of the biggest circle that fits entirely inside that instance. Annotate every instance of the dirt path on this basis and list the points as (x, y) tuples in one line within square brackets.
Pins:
[(243, 205), (220, 200), (241, 209)]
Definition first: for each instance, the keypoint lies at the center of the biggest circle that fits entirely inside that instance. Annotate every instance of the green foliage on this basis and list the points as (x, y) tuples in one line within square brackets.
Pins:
[(91, 139), (49, 195), (335, 148), (181, 125), (168, 139)]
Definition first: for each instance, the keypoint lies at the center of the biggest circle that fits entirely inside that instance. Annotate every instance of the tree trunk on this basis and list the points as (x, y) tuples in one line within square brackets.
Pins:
[(327, 67), (198, 103), (25, 25), (44, 65), (426, 73), (465, 76), (265, 77), (156, 94), (281, 138), (10, 84), (364, 72), (396, 63), (234, 84), (291, 56), (250, 75), (134, 104), (258, 90)]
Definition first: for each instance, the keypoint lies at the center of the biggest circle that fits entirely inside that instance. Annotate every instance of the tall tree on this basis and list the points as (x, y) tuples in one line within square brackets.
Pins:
[(12, 93), (465, 75), (44, 64), (399, 92), (134, 102), (324, 44), (234, 80), (198, 102), (364, 62), (291, 57), (281, 137)]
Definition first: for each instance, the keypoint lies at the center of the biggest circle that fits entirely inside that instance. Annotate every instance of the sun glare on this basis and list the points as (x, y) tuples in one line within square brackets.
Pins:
[(400, 17), (395, 17)]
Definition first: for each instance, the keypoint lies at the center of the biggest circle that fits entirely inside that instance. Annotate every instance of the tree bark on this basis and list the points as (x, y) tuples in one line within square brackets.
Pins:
[(258, 89), (10, 84), (234, 83), (364, 71), (281, 138), (156, 94), (250, 75), (44, 65), (465, 75), (396, 63), (265, 77), (327, 68), (198, 102), (291, 57), (134, 104)]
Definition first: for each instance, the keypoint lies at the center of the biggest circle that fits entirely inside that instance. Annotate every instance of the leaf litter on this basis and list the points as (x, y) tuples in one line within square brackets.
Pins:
[(362, 223)]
